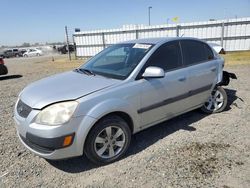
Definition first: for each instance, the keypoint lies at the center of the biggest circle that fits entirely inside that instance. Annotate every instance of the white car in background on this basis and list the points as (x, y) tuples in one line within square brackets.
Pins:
[(32, 53), (219, 49)]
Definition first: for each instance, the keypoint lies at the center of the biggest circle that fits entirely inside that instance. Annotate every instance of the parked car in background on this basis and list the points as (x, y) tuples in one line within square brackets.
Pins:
[(3, 68), (11, 53), (64, 49), (218, 48), (1, 54), (124, 89), (32, 53), (23, 51)]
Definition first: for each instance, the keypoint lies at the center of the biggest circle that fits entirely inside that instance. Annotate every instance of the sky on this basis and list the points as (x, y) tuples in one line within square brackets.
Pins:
[(44, 21)]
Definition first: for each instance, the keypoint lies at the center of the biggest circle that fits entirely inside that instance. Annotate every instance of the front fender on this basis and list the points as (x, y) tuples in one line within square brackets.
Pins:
[(114, 105)]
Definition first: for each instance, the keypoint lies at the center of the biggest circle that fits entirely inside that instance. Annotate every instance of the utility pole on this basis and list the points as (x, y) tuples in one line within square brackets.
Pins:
[(149, 8), (67, 40)]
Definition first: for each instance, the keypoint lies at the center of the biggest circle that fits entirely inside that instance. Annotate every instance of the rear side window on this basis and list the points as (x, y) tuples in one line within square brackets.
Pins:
[(209, 52), (195, 52), (167, 56)]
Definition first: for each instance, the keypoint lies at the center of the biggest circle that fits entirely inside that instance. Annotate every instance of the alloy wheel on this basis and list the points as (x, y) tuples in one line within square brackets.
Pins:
[(215, 101), (109, 142)]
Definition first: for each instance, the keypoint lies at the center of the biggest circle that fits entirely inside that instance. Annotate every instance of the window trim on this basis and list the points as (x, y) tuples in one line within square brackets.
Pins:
[(183, 65)]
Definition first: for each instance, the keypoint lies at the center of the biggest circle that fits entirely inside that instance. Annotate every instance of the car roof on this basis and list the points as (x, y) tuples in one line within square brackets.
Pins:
[(159, 40)]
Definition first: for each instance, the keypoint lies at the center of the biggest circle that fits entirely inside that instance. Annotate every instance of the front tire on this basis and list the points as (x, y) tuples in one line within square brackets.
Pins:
[(217, 101), (108, 140)]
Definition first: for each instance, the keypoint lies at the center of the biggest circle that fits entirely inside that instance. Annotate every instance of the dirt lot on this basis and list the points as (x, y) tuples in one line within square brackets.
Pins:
[(193, 150)]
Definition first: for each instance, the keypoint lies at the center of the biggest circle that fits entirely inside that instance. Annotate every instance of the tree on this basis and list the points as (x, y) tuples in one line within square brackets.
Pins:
[(26, 44)]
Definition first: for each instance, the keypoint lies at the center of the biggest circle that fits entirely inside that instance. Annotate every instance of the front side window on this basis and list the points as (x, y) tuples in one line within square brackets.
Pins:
[(117, 61), (167, 57)]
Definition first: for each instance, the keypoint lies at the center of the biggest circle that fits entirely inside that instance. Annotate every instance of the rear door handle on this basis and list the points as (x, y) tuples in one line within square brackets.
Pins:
[(213, 69), (182, 79)]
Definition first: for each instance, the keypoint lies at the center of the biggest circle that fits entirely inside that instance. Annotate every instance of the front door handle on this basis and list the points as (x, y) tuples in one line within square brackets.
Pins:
[(182, 79)]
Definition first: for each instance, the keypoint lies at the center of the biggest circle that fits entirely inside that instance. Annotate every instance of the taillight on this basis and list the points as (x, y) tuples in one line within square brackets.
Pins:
[(1, 61)]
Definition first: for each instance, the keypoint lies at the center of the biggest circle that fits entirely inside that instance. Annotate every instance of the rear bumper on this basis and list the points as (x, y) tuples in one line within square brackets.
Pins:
[(226, 78)]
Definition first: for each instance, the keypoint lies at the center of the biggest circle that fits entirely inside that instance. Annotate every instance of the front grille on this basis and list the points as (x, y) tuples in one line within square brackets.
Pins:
[(23, 109)]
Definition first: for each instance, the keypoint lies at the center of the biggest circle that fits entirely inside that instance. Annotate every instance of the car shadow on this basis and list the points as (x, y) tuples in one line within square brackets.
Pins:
[(145, 138), (11, 77), (231, 97), (139, 142)]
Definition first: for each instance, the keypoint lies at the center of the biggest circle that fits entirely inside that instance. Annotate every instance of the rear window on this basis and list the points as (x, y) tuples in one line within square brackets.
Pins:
[(195, 52)]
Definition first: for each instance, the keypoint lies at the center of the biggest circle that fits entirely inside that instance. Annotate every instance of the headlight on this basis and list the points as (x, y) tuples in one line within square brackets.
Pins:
[(57, 114)]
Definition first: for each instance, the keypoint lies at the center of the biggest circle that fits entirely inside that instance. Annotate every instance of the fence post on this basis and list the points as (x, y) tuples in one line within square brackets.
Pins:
[(136, 34), (74, 43), (103, 40), (222, 34), (177, 30)]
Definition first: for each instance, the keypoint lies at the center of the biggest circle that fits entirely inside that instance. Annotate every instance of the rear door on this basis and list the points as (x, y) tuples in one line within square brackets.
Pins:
[(162, 98), (202, 70)]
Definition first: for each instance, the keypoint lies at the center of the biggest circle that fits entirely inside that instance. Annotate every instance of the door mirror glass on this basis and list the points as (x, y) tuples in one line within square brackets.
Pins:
[(153, 72)]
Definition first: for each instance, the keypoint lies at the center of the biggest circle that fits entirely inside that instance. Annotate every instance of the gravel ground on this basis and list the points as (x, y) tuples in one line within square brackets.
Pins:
[(192, 150)]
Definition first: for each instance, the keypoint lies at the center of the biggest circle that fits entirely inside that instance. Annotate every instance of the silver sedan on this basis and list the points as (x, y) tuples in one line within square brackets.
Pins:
[(126, 88)]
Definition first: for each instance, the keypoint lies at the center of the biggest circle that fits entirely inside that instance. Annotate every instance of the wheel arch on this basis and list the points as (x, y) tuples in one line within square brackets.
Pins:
[(102, 109), (125, 116)]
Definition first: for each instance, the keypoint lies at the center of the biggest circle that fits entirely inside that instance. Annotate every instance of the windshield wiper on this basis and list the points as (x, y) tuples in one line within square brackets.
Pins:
[(85, 71)]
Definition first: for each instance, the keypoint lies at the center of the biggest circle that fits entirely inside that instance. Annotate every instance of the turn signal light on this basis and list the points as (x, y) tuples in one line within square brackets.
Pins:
[(67, 140)]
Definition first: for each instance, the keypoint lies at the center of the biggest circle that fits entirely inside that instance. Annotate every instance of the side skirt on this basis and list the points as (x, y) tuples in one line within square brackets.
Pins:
[(169, 117)]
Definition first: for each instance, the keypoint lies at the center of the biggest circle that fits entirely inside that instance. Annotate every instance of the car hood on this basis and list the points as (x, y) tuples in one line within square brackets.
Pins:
[(62, 87)]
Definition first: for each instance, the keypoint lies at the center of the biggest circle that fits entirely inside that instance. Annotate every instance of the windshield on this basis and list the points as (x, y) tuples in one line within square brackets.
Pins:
[(117, 61)]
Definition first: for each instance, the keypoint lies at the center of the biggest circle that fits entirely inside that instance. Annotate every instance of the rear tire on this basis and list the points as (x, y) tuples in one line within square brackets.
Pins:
[(217, 101), (108, 140), (3, 70)]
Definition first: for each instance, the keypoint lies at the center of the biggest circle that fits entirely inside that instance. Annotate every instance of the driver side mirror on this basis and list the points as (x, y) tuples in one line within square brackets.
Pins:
[(153, 72)]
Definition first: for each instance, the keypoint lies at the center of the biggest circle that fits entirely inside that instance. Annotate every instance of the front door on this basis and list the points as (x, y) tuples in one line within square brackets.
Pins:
[(162, 98)]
